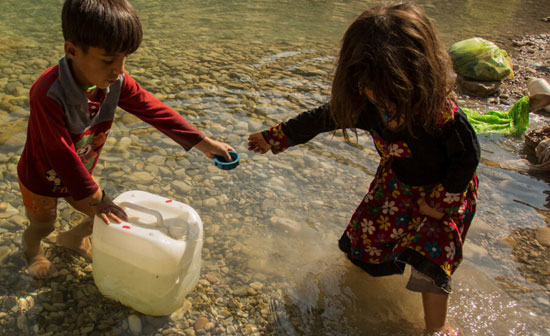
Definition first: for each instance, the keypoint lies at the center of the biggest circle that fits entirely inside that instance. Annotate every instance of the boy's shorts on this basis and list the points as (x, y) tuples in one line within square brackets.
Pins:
[(38, 204), (421, 283)]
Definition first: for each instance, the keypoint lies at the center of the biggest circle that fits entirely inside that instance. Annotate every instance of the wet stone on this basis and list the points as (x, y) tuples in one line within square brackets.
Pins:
[(543, 235)]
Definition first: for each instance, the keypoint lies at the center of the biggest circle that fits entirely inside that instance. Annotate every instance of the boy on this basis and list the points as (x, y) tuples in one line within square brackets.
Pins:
[(72, 106)]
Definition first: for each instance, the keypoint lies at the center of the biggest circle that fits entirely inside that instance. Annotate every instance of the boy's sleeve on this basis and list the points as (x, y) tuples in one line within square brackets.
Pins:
[(146, 107), (299, 129), (463, 150), (48, 123)]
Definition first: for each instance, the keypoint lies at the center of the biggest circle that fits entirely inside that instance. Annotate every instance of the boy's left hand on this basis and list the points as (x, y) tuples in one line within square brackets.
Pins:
[(211, 147), (107, 209)]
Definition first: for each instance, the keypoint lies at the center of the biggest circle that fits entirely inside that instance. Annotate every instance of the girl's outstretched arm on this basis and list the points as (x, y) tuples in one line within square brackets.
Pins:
[(298, 130)]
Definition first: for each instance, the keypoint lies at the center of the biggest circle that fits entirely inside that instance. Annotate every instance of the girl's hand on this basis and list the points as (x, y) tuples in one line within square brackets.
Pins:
[(257, 143), (107, 209), (427, 210), (211, 147)]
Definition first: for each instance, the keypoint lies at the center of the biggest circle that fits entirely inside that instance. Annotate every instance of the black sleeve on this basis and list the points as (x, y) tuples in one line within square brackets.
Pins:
[(463, 152), (305, 126)]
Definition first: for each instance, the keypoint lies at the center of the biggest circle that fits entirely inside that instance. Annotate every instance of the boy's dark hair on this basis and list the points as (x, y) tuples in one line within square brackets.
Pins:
[(394, 52), (112, 25)]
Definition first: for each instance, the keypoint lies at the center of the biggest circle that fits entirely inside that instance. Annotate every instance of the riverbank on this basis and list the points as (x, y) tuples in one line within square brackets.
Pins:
[(232, 297), (530, 244)]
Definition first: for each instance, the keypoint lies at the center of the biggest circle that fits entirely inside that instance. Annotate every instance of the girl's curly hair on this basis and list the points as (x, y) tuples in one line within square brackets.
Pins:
[(394, 52)]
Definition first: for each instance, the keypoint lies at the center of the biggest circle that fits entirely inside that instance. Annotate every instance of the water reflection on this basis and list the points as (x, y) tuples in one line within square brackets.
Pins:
[(234, 67)]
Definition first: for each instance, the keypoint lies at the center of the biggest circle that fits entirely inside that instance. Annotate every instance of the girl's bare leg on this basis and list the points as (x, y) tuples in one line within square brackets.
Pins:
[(435, 311)]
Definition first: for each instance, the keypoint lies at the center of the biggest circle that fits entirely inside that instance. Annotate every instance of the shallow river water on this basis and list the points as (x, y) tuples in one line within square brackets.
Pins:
[(234, 67)]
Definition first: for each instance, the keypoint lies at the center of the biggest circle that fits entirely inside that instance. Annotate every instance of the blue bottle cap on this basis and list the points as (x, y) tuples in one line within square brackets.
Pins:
[(222, 163)]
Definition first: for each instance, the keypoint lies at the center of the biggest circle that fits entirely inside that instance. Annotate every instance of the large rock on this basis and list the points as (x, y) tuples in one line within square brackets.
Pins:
[(476, 88), (543, 235), (535, 136)]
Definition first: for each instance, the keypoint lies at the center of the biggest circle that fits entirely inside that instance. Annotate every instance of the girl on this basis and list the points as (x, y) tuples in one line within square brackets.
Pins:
[(394, 80)]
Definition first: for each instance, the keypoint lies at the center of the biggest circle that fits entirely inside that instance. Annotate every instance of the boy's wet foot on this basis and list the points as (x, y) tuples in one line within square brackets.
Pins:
[(82, 246), (40, 267)]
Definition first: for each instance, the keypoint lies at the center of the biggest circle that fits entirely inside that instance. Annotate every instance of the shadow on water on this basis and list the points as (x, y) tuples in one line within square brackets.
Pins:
[(271, 261)]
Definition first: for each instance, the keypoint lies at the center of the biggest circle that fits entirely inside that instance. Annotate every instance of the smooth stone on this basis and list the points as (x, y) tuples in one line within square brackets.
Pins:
[(4, 253), (181, 186), (509, 241), (22, 323), (211, 202), (284, 223), (200, 323), (142, 177), (123, 144), (10, 211), (543, 235), (134, 323), (257, 285)]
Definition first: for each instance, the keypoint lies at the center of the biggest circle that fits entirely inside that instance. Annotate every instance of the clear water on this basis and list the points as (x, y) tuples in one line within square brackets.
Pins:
[(233, 67)]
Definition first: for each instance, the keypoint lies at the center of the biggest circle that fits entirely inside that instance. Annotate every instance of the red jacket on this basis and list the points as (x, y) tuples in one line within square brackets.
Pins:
[(66, 131)]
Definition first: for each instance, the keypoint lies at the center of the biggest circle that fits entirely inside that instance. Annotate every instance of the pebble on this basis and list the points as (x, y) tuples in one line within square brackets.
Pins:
[(134, 323), (211, 202), (4, 253), (543, 235), (543, 301), (200, 323)]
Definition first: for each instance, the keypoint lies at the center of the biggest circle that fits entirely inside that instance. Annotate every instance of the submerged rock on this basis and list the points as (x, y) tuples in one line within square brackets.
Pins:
[(543, 235)]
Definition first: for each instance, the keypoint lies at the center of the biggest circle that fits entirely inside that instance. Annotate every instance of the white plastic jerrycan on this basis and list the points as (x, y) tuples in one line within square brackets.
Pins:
[(152, 261)]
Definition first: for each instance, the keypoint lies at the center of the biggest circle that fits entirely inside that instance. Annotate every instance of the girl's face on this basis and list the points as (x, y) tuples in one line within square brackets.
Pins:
[(94, 67), (385, 114), (370, 94)]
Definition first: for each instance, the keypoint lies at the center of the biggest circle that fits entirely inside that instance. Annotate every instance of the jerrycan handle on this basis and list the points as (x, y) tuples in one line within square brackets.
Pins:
[(156, 213)]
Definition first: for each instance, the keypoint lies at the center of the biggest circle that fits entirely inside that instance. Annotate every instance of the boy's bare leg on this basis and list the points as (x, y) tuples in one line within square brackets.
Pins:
[(38, 229), (77, 238), (435, 311)]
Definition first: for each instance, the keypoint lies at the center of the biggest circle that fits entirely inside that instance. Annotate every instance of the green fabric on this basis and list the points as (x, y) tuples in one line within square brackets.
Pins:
[(515, 121), (480, 60)]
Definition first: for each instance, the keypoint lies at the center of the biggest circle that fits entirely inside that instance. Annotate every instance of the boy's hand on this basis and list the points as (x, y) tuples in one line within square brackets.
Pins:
[(427, 210), (257, 143), (211, 147), (107, 209)]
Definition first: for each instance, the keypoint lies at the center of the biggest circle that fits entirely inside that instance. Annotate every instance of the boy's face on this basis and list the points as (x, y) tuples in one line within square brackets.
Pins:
[(94, 67)]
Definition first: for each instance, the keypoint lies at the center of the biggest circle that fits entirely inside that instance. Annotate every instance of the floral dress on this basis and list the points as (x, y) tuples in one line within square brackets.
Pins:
[(387, 231)]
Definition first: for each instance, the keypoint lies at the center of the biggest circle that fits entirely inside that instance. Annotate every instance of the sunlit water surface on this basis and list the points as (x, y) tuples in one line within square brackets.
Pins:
[(234, 67)]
